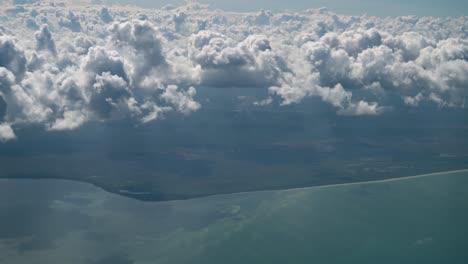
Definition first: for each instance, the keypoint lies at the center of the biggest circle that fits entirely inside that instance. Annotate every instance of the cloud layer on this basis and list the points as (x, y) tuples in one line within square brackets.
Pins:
[(91, 63)]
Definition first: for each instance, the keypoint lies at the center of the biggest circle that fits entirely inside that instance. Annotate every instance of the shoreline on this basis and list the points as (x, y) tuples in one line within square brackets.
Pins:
[(339, 184), (123, 194)]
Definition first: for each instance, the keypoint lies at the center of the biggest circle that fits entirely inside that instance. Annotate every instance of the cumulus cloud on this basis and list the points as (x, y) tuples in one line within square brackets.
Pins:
[(70, 21), (105, 15), (249, 63), (6, 133), (100, 63), (109, 95), (182, 100), (71, 120), (100, 60), (140, 44), (12, 57), (44, 40)]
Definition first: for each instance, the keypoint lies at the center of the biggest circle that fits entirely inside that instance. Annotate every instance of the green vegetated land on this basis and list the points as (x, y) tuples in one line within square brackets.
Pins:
[(217, 151)]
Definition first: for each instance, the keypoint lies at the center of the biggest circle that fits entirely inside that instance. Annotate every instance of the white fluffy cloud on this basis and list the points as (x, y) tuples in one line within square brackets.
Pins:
[(95, 63), (249, 63), (6, 133), (182, 100)]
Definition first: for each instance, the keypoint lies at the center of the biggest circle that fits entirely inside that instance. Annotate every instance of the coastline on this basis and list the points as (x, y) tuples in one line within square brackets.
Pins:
[(161, 199)]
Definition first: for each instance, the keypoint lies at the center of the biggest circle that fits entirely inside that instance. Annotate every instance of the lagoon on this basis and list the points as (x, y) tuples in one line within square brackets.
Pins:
[(411, 220)]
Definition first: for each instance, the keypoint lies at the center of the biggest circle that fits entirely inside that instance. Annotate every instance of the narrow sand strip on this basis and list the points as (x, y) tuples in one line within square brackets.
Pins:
[(331, 185), (377, 181)]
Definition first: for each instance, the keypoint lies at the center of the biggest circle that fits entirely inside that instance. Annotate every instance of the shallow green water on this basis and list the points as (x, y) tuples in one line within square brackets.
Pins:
[(417, 220)]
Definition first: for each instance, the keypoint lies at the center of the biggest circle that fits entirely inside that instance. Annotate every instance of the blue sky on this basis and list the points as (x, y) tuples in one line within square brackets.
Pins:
[(354, 7)]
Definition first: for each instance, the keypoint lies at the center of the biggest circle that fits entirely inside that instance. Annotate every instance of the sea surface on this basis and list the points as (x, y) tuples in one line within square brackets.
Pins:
[(420, 219)]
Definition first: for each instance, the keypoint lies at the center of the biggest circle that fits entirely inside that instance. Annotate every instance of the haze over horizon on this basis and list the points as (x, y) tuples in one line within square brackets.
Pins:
[(350, 7)]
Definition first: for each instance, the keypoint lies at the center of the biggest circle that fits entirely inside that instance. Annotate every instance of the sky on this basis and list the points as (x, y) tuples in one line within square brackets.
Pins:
[(352, 7)]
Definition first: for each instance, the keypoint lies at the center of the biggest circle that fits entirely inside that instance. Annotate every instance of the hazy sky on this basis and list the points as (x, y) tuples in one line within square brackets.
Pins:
[(355, 7)]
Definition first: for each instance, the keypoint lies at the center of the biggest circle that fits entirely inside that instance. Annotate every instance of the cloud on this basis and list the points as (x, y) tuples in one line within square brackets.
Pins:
[(90, 63), (100, 60), (70, 21), (413, 100), (3, 108), (71, 120), (182, 100), (12, 57), (109, 95), (152, 111), (140, 45), (6, 133), (44, 40), (249, 63), (105, 15)]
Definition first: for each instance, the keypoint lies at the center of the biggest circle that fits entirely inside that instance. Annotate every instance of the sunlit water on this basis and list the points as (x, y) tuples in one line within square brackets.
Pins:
[(415, 220)]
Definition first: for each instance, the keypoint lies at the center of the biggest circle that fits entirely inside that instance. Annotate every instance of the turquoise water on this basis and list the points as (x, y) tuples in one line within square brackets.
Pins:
[(415, 220)]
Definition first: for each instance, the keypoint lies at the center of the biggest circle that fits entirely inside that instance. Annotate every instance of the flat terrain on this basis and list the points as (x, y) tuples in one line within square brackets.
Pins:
[(221, 150)]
